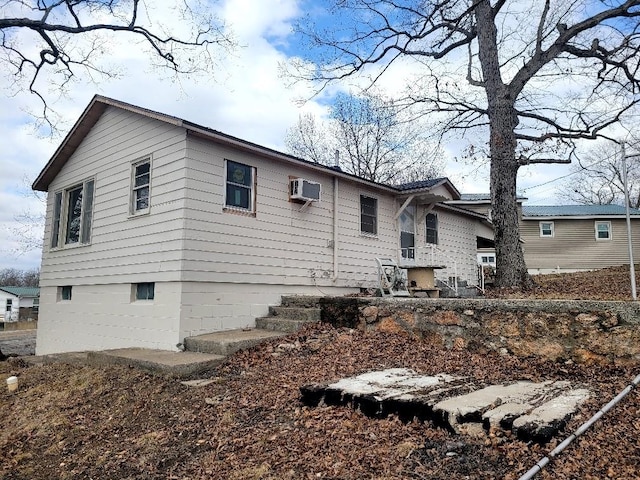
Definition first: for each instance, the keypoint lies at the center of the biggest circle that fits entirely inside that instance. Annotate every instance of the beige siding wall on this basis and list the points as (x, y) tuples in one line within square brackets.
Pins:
[(457, 242), (282, 244), (574, 247), (123, 248)]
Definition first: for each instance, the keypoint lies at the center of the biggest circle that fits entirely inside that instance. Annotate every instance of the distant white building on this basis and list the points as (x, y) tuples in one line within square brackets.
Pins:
[(158, 229), (19, 303)]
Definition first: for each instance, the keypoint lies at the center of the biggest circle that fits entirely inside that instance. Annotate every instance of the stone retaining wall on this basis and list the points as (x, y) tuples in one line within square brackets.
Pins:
[(582, 331)]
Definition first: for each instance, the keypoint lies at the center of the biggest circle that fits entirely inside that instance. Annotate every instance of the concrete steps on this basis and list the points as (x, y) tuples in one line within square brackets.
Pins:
[(287, 318)]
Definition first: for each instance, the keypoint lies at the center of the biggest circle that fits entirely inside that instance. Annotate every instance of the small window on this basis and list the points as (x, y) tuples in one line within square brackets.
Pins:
[(368, 215), (546, 229), (432, 228), (145, 291), (72, 215), (603, 230), (9, 305), (64, 293), (488, 259), (240, 191), (36, 305), (140, 189)]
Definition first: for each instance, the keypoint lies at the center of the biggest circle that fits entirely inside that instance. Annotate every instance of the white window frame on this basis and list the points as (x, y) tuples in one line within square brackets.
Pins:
[(433, 229), (133, 210), (251, 187), (553, 229), (60, 213), (609, 230), (374, 216)]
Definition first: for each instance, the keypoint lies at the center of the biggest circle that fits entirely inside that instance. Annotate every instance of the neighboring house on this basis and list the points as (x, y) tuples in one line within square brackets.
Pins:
[(19, 303), (158, 229), (481, 204), (569, 238)]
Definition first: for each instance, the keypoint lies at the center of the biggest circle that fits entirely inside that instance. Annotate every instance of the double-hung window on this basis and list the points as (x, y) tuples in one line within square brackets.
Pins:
[(240, 186), (432, 228), (72, 215), (140, 188), (368, 215), (546, 229), (603, 231)]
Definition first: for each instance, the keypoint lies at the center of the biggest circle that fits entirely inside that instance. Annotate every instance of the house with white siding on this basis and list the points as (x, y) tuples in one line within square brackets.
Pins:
[(19, 303), (158, 229)]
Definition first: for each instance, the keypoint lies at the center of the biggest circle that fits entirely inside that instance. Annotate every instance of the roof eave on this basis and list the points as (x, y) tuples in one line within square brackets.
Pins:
[(80, 129)]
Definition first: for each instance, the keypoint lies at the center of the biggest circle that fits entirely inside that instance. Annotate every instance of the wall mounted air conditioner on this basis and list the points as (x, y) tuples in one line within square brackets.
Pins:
[(305, 190)]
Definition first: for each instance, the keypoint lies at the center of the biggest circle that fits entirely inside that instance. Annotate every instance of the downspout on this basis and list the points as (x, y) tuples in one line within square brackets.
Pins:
[(335, 230)]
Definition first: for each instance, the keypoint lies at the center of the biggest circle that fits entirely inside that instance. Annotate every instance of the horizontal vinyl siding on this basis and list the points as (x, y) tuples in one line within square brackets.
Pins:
[(123, 248), (574, 246), (281, 244), (358, 252), (457, 240)]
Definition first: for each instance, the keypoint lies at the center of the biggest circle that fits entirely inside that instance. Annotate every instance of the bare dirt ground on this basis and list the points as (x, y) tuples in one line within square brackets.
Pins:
[(76, 422)]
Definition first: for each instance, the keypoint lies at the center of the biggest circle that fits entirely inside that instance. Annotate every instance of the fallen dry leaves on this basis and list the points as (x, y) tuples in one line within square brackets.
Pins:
[(77, 422)]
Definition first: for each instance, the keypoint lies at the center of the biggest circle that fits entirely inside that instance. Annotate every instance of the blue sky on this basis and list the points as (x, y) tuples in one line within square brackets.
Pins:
[(248, 99)]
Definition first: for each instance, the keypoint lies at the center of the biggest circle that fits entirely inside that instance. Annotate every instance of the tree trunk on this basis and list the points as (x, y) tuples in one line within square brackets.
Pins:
[(511, 271)]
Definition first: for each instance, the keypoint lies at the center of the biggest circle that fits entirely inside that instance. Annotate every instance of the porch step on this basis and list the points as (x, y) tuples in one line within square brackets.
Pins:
[(300, 301), (305, 314), (229, 341), (280, 324)]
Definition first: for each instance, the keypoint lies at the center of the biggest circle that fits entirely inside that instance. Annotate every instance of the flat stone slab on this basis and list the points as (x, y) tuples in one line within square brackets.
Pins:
[(162, 361), (227, 342), (533, 411)]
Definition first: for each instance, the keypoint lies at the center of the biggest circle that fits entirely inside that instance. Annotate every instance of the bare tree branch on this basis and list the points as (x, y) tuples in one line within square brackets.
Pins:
[(53, 25)]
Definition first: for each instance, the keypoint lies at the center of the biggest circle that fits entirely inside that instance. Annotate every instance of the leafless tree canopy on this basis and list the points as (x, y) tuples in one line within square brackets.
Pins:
[(597, 179), (368, 136), (12, 277), (62, 39), (535, 75)]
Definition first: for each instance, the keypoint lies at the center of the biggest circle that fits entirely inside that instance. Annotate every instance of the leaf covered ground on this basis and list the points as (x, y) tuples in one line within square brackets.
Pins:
[(80, 422), (606, 284)]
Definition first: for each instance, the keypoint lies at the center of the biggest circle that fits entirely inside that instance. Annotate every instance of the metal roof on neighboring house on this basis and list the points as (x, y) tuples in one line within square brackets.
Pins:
[(575, 210), (22, 291), (482, 197)]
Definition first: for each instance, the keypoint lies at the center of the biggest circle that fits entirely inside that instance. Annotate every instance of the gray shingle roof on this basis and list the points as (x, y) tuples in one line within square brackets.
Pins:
[(420, 184), (575, 210), (22, 291)]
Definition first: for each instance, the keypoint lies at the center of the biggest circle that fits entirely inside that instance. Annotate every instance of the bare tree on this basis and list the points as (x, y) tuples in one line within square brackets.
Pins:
[(371, 137), (71, 36), (597, 179), (534, 76), (11, 277)]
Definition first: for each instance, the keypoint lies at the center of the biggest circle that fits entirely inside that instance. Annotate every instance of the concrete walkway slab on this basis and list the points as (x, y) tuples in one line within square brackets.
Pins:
[(161, 361), (533, 411)]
